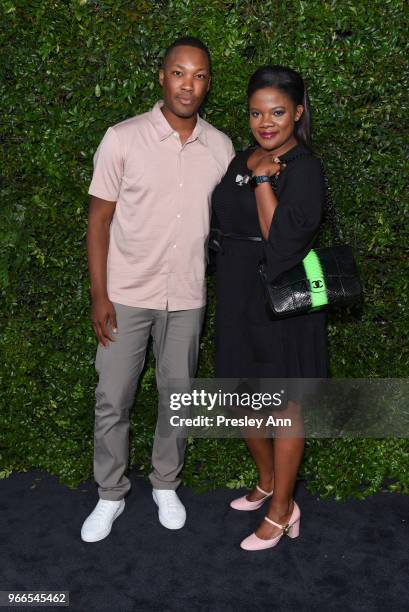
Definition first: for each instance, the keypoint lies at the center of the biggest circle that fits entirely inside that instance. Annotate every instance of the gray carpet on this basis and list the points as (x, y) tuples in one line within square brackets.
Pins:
[(349, 556)]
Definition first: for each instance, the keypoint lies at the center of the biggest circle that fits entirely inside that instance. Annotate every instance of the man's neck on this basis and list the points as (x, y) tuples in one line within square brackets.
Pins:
[(184, 126)]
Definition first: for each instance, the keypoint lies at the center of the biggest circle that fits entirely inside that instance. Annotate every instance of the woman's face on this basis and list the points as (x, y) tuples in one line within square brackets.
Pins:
[(272, 119)]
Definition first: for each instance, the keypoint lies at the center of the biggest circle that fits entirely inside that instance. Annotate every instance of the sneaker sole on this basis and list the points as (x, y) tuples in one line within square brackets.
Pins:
[(106, 532)]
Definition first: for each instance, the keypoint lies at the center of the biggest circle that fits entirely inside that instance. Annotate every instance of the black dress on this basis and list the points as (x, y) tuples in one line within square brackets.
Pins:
[(249, 343)]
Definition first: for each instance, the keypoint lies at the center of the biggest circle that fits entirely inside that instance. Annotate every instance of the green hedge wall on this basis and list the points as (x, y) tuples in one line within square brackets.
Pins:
[(69, 69)]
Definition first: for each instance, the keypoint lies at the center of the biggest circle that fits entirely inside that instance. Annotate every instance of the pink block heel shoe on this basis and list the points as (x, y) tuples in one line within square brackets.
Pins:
[(292, 529), (242, 503)]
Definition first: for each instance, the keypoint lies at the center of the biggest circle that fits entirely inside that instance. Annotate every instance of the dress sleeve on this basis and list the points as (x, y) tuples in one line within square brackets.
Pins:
[(297, 218), (108, 168)]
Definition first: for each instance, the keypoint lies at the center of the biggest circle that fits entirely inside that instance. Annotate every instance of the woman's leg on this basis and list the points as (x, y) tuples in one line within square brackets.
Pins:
[(262, 452), (287, 455)]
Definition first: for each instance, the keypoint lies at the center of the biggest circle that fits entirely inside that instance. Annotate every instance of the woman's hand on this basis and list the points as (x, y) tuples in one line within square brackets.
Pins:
[(269, 165)]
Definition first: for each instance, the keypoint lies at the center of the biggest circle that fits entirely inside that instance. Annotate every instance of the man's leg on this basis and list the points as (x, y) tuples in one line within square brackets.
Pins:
[(176, 347), (119, 366)]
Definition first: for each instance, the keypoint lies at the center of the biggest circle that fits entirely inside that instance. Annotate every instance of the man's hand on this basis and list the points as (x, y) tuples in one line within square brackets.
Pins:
[(103, 314)]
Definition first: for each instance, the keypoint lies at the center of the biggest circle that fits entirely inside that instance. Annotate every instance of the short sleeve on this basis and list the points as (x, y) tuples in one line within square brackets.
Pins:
[(108, 168), (297, 218), (232, 152), (227, 151)]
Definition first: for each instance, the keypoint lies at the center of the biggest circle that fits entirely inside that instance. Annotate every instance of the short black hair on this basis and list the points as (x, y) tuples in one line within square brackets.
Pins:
[(188, 41)]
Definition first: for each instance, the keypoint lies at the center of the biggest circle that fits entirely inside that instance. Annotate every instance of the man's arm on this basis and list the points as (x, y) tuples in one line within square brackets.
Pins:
[(100, 215)]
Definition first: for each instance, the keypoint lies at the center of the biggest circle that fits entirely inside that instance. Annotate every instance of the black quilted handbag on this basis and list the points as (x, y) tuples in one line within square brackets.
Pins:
[(326, 277)]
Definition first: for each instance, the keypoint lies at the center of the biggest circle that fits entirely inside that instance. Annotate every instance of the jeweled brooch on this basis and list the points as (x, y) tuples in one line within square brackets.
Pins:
[(242, 180)]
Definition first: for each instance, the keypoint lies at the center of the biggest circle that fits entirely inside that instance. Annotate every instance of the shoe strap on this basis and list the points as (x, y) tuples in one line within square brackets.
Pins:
[(264, 492), (266, 518)]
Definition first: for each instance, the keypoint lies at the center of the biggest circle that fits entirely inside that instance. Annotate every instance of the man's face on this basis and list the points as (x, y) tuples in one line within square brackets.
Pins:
[(185, 80)]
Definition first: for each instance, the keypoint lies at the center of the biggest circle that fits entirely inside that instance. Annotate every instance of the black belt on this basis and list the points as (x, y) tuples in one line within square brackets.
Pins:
[(216, 238)]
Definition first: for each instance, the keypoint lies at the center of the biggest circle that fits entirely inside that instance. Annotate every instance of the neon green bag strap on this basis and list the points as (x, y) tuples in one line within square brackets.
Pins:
[(315, 276)]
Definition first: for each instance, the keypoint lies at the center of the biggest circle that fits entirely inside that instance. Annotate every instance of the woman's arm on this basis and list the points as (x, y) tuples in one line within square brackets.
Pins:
[(265, 197), (297, 216), (266, 205)]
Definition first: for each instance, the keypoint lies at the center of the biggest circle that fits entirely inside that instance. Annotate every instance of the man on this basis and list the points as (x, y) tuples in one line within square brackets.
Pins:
[(148, 224)]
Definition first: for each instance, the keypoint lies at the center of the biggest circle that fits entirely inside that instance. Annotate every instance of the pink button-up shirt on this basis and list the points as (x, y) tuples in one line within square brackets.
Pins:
[(162, 190)]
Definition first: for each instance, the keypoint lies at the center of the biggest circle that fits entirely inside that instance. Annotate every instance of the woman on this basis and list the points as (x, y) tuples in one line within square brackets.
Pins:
[(280, 211)]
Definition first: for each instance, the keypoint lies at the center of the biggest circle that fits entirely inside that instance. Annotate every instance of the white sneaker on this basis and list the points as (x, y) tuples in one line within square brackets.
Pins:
[(172, 513), (99, 523)]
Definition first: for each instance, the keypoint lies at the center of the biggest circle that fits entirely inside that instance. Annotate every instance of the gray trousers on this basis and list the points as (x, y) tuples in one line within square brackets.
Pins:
[(176, 347)]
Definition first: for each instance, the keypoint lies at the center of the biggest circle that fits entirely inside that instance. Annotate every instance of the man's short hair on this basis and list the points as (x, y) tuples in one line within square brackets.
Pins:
[(187, 41)]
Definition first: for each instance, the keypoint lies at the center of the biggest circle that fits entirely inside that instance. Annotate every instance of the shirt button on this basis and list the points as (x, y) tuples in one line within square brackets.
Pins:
[(180, 184), (174, 246), (178, 216)]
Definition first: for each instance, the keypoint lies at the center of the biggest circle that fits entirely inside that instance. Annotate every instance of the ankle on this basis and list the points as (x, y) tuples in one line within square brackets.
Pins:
[(266, 482), (281, 508)]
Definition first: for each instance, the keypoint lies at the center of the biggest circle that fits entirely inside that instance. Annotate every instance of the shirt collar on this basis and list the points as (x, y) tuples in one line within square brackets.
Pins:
[(164, 129)]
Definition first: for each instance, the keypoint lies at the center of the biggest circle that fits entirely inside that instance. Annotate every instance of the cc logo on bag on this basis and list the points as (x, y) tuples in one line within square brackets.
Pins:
[(317, 285)]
